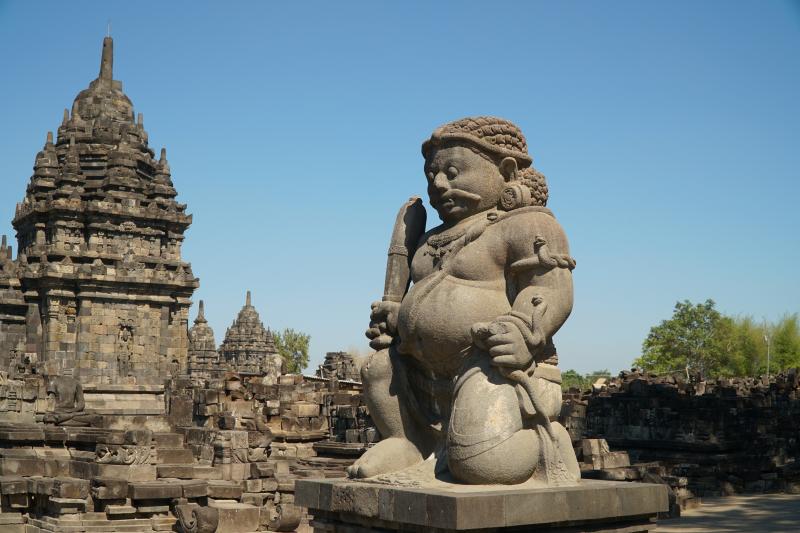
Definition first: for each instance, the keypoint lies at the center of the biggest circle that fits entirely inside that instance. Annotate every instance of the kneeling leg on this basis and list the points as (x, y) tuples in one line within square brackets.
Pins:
[(403, 443)]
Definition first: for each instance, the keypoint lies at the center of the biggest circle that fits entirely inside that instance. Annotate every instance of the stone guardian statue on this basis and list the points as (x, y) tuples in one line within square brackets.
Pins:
[(464, 385)]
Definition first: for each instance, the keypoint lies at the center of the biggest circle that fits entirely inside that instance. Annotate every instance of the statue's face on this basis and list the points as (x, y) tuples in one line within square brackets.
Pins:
[(461, 183)]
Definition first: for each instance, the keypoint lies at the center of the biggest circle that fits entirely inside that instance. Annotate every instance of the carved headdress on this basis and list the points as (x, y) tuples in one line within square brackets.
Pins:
[(497, 138), (495, 135)]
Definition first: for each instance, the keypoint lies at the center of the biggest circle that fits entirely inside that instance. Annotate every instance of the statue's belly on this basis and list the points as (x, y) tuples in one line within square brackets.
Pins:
[(434, 323)]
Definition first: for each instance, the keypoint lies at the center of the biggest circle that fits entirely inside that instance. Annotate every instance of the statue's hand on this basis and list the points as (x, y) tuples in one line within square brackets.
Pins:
[(383, 324), (504, 343)]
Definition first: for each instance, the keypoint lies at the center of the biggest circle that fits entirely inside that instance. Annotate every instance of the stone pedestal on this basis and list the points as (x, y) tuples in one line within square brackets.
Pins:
[(592, 506)]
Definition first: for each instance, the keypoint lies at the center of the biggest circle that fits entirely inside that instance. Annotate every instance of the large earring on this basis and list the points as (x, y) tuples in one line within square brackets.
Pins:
[(515, 195)]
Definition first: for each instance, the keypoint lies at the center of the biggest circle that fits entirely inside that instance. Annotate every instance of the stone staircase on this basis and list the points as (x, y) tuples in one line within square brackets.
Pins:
[(97, 523)]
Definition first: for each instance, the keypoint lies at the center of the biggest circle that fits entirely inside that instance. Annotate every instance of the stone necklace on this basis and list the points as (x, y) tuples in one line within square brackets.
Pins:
[(441, 244)]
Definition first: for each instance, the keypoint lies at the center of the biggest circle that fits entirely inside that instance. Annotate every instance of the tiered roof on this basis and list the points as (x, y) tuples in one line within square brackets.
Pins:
[(203, 358), (248, 345), (100, 174)]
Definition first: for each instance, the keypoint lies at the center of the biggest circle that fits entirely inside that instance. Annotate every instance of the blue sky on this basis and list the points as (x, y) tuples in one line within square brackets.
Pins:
[(668, 132)]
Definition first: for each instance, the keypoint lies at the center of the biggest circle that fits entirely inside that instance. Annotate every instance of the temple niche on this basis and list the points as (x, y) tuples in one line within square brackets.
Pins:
[(99, 290), (249, 347)]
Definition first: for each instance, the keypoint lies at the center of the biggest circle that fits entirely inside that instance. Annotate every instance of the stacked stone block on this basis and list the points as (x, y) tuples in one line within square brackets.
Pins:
[(339, 365), (713, 437)]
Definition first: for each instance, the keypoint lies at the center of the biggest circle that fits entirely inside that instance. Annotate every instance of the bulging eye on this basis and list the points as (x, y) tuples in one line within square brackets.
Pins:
[(452, 172), (429, 174)]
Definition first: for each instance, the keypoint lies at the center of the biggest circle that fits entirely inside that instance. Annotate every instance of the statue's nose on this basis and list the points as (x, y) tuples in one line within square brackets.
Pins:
[(441, 182)]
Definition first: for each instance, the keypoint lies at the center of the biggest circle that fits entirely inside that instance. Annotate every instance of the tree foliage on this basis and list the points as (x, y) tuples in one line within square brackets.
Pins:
[(694, 338), (293, 347), (573, 379), (699, 338)]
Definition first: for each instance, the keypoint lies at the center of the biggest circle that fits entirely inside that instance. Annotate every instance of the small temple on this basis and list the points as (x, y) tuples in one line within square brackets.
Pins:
[(99, 290), (249, 346), (203, 359)]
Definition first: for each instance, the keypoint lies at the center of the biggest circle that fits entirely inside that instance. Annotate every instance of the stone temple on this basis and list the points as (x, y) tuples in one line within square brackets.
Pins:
[(249, 347), (203, 359), (99, 290)]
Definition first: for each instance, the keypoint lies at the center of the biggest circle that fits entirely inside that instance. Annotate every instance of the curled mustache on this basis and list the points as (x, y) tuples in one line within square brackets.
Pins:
[(454, 194)]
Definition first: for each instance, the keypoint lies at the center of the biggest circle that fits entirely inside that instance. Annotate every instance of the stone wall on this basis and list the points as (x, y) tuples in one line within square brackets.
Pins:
[(723, 436)]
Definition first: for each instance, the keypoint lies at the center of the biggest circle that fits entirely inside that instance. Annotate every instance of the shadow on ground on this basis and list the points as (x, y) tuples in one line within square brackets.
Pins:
[(774, 513)]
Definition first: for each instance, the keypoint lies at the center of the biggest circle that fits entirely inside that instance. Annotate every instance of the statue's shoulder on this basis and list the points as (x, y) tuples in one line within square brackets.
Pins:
[(527, 225), (531, 218)]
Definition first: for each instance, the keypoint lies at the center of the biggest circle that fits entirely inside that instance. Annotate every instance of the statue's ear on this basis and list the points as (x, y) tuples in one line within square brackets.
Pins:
[(508, 168)]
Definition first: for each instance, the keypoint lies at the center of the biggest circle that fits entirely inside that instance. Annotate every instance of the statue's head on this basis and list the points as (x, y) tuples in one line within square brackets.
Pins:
[(478, 163)]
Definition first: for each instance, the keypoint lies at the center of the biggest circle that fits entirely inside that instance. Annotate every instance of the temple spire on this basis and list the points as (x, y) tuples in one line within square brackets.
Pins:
[(247, 301), (201, 315), (107, 60)]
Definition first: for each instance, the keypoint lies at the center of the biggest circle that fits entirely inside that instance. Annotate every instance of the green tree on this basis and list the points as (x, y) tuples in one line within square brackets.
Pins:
[(697, 337), (785, 343), (748, 351), (293, 347), (572, 379)]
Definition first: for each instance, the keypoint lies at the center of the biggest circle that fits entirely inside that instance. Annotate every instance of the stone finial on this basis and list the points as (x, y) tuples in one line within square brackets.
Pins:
[(3, 242), (49, 141), (107, 60), (140, 120), (201, 314), (248, 300), (163, 158), (66, 117)]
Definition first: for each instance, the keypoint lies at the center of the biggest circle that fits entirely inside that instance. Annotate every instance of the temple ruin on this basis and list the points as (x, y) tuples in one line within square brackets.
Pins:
[(114, 415)]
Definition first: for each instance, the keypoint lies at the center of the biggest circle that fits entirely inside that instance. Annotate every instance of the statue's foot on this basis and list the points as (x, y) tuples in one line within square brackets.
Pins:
[(389, 455)]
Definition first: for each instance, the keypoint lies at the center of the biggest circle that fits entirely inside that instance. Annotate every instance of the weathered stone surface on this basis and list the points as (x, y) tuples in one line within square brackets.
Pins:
[(469, 344), (470, 507), (339, 365), (721, 436), (154, 490), (236, 517)]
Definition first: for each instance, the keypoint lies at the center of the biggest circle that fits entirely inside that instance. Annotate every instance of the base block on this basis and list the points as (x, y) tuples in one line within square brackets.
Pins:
[(340, 506)]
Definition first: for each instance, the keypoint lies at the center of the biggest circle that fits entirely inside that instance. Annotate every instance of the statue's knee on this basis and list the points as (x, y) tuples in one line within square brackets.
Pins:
[(510, 462), (377, 367)]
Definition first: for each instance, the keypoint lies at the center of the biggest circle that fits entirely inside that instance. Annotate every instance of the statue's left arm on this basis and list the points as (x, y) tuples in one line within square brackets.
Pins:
[(539, 278)]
